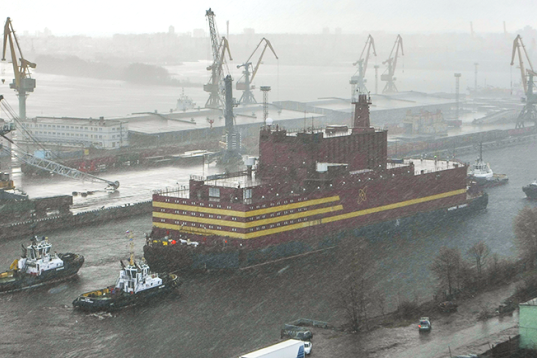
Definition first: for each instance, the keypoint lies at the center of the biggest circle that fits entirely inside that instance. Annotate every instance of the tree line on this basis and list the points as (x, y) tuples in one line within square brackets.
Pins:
[(139, 73), (457, 274)]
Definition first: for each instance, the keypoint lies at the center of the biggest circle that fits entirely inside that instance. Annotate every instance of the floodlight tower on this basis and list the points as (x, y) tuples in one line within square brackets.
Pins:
[(475, 78), (457, 78), (265, 90)]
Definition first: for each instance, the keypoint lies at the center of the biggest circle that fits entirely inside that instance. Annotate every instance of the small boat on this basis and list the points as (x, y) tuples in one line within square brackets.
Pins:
[(135, 285), (38, 266), (185, 103), (531, 190), (480, 173)]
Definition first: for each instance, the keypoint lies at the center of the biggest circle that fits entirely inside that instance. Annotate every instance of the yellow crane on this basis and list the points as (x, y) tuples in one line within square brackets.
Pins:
[(23, 82), (528, 111), (247, 96)]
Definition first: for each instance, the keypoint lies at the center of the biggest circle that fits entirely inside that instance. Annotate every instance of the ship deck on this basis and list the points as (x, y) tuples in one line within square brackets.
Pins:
[(421, 166), (424, 166)]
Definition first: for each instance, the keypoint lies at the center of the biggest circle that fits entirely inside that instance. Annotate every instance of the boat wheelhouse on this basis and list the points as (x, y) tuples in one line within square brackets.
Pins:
[(39, 266)]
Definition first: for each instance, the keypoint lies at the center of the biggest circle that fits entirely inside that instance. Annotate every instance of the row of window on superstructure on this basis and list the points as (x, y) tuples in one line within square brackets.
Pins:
[(278, 203), (194, 203), (234, 218), (289, 222), (219, 206), (257, 228)]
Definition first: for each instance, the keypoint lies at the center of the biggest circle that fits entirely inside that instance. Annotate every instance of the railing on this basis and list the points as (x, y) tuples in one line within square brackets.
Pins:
[(180, 192), (219, 176)]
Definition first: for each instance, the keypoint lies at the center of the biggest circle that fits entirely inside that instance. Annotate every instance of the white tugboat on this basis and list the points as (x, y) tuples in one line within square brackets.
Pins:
[(135, 285), (481, 173), (38, 266)]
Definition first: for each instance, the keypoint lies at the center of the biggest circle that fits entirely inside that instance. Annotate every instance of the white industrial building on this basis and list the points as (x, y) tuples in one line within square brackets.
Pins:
[(99, 133)]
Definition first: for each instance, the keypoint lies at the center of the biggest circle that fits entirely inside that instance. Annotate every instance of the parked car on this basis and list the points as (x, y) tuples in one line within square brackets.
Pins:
[(307, 347), (425, 325), (296, 333), (447, 307)]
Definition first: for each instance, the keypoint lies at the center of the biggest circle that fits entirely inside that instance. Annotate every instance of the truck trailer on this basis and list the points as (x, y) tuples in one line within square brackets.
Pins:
[(291, 348)]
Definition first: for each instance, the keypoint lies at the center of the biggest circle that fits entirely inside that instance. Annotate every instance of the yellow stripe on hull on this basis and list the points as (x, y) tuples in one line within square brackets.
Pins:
[(393, 206), (247, 225), (245, 214), (309, 223)]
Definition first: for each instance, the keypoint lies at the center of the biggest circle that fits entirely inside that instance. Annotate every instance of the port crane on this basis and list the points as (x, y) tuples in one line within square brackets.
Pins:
[(219, 48), (528, 112), (245, 86), (41, 163), (358, 80), (23, 83), (391, 62)]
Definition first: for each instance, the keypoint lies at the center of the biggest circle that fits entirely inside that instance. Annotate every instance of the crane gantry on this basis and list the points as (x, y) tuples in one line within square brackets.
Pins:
[(23, 82), (245, 86), (528, 111), (219, 47), (391, 62), (358, 80)]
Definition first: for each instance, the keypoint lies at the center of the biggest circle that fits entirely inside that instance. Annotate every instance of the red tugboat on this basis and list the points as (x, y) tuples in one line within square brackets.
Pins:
[(309, 187)]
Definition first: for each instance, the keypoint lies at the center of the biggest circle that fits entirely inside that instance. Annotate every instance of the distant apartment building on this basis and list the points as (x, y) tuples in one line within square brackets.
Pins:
[(99, 133)]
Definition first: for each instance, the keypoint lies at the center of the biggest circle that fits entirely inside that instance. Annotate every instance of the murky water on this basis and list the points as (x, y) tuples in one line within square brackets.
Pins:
[(220, 315), (228, 314)]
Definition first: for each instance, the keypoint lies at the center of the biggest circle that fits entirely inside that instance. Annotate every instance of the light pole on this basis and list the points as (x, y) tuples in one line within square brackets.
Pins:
[(457, 77)]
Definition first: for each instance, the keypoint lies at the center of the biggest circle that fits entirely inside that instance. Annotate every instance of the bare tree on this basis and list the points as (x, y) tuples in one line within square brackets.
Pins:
[(479, 252), (355, 265), (380, 301), (446, 266), (525, 227)]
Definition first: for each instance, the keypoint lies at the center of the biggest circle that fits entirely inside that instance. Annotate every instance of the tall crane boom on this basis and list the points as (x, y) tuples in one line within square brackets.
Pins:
[(517, 45), (219, 47), (358, 80), (391, 62), (46, 164), (528, 111), (22, 83), (60, 169), (247, 96)]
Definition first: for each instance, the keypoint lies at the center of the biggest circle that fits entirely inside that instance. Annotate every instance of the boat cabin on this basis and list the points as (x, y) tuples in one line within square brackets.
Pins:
[(38, 258), (137, 277)]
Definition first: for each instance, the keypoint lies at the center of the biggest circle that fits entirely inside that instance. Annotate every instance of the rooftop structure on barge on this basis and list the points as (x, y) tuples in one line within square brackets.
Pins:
[(306, 187)]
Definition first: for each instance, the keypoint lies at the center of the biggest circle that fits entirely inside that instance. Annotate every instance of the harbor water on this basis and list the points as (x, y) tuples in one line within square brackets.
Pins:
[(221, 314), (226, 314)]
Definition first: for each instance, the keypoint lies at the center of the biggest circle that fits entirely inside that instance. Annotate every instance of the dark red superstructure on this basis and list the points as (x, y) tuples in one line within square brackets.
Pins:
[(308, 186)]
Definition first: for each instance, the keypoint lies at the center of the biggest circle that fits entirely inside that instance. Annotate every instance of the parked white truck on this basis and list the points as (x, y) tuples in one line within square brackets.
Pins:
[(291, 348)]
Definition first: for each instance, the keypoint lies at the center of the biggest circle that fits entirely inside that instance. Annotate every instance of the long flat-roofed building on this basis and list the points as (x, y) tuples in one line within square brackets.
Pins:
[(99, 133)]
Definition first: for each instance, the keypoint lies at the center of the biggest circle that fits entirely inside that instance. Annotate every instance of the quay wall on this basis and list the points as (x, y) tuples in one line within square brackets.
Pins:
[(44, 225)]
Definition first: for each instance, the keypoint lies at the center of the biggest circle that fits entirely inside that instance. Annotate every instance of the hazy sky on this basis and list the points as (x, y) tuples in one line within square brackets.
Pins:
[(98, 17)]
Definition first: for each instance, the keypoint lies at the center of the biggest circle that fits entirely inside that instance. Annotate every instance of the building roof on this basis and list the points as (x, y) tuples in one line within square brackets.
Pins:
[(532, 302), (153, 123), (383, 102)]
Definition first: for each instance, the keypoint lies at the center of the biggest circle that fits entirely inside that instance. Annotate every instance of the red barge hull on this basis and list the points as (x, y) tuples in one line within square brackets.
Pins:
[(308, 189)]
